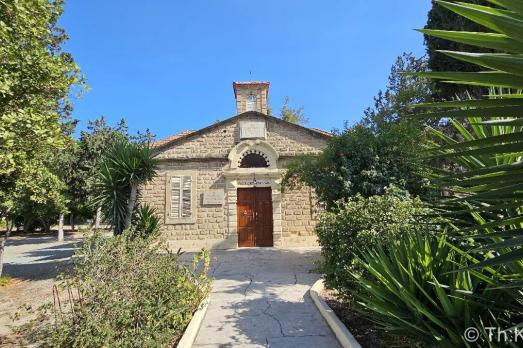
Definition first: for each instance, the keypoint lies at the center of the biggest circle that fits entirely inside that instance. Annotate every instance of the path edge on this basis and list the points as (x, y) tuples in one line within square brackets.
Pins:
[(343, 335), (189, 336)]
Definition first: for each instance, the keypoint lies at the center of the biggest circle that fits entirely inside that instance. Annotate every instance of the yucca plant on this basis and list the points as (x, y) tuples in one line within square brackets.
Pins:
[(488, 184), (466, 216), (413, 289), (124, 167), (146, 222)]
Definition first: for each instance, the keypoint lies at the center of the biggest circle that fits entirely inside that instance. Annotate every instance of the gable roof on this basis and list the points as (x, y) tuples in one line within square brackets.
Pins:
[(170, 138), (189, 133)]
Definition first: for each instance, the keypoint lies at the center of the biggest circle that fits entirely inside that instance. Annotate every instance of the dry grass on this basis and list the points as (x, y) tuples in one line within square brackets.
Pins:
[(5, 280)]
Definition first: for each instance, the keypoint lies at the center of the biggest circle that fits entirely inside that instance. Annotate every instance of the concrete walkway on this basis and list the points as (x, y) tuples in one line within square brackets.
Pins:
[(260, 299)]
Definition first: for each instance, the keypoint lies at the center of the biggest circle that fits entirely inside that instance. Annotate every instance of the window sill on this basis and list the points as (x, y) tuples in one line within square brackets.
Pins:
[(183, 221)]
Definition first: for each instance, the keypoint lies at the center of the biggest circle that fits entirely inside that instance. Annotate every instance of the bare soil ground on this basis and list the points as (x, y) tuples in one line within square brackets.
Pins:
[(34, 261), (365, 331)]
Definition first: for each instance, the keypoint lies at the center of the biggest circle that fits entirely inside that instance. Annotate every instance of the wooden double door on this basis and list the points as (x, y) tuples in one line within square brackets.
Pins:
[(255, 217)]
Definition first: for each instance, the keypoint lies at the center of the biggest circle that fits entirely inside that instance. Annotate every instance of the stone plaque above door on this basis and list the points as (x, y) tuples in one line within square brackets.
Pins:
[(252, 129)]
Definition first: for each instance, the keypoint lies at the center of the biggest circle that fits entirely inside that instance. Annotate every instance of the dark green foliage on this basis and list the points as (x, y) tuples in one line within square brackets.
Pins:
[(123, 168), (358, 223), (442, 18), (92, 145), (122, 292), (358, 162), (37, 79), (146, 223), (402, 90), (432, 290), (412, 288), (382, 149), (488, 184)]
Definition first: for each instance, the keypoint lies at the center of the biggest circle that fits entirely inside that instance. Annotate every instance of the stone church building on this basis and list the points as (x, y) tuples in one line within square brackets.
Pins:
[(220, 186)]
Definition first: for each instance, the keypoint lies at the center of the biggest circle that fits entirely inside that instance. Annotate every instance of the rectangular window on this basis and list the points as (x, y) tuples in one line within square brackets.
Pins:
[(251, 103), (181, 197)]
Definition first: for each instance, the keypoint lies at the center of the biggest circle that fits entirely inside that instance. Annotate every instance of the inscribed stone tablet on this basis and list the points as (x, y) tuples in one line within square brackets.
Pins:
[(213, 197), (252, 129)]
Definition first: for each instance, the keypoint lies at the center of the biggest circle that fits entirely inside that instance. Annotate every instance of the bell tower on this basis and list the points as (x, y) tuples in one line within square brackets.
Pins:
[(251, 96)]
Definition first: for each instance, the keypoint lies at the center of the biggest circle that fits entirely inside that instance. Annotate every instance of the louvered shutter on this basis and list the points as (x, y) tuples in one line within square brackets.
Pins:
[(181, 197), (186, 196), (175, 196)]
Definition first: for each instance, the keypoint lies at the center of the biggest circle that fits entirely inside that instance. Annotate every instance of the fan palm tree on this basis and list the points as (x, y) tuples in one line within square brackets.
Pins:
[(123, 169)]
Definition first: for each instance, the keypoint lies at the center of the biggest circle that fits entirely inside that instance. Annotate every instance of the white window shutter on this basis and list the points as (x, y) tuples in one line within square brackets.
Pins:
[(186, 210), (175, 196), (181, 197)]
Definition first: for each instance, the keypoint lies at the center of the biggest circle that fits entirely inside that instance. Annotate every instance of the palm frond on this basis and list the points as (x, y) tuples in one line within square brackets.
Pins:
[(489, 149)]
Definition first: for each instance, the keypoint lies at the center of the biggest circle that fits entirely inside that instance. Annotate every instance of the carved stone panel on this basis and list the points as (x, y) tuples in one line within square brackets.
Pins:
[(252, 129), (213, 197)]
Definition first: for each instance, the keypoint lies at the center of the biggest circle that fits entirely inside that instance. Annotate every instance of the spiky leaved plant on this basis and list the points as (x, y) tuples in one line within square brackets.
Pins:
[(124, 167)]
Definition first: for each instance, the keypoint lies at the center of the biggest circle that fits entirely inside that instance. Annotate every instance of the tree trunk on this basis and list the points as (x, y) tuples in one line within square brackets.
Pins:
[(61, 228), (27, 224), (71, 221), (45, 226), (98, 218), (2, 244), (130, 206)]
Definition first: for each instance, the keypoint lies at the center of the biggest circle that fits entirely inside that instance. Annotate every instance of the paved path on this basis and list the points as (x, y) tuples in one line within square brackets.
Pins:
[(260, 299)]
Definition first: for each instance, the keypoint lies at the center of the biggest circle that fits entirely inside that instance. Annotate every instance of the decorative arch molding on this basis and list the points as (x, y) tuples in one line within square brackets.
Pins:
[(253, 159), (259, 147), (266, 176)]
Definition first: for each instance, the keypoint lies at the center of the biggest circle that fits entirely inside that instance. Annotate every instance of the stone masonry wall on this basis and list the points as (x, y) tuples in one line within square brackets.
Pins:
[(286, 140), (298, 218), (207, 154), (243, 93), (210, 220)]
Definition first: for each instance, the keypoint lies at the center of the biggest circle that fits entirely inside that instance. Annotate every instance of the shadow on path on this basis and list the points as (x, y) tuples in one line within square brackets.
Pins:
[(260, 298), (38, 258)]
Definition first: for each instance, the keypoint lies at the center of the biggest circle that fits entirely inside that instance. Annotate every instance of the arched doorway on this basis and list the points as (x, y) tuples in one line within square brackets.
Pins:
[(254, 198)]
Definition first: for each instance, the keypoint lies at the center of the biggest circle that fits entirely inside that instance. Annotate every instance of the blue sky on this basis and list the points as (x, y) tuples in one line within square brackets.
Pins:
[(169, 65)]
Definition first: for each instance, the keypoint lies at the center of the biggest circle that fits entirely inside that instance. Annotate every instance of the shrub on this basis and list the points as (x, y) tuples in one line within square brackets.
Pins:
[(5, 280), (146, 222), (357, 223), (413, 289), (123, 292)]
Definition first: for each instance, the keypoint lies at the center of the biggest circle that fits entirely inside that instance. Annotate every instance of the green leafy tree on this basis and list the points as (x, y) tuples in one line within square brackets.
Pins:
[(402, 90), (36, 83), (93, 143), (382, 149), (293, 115)]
